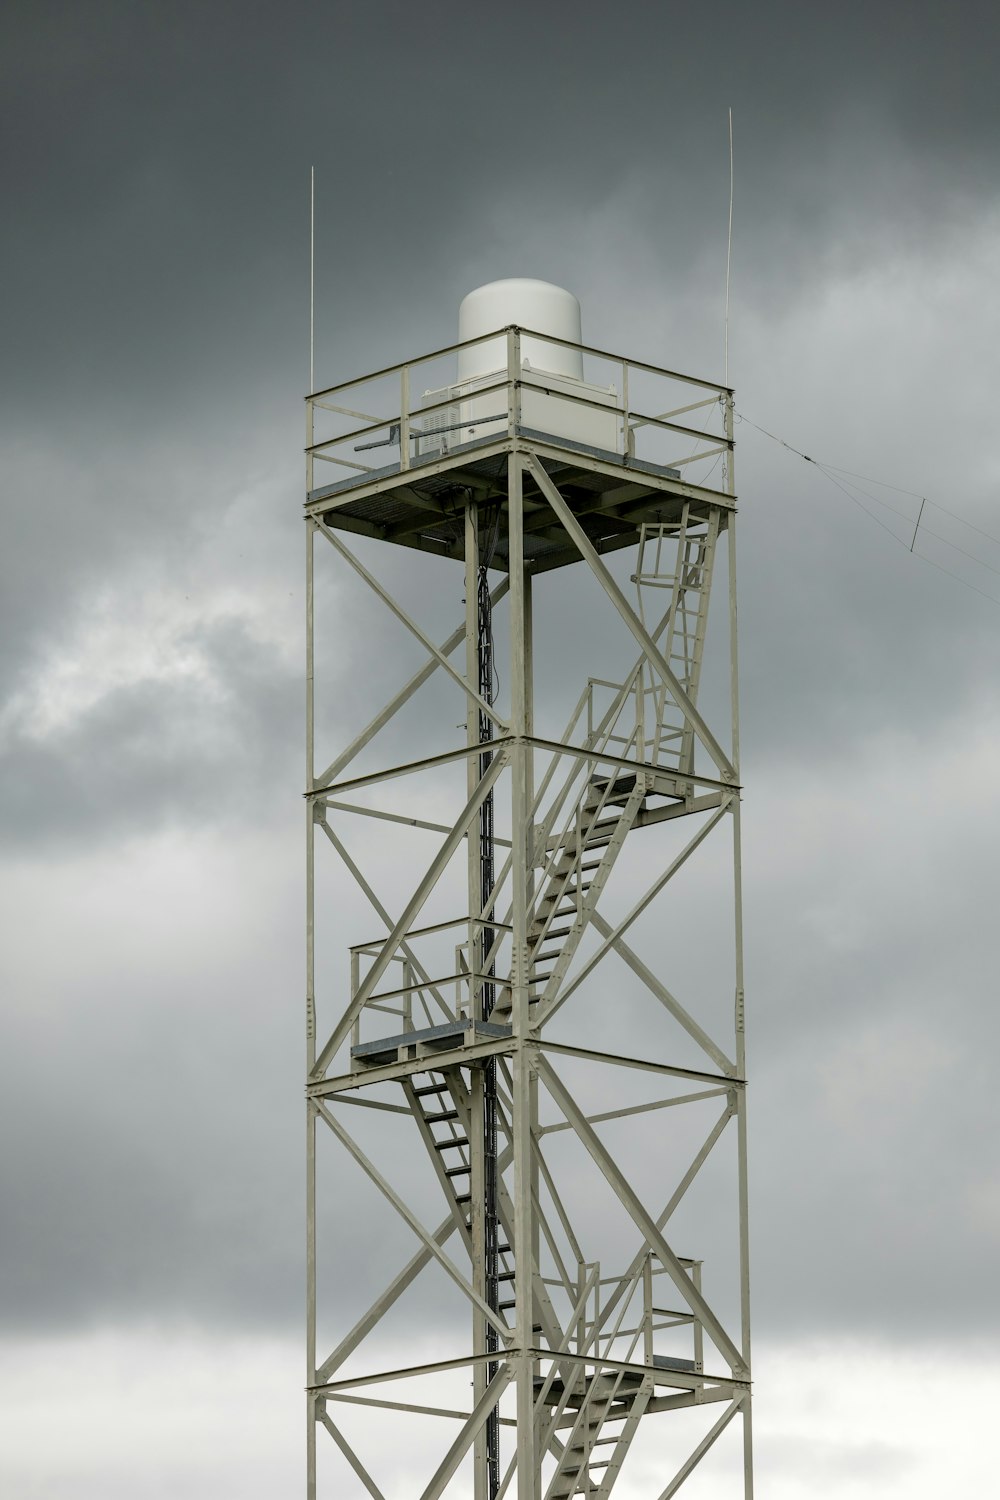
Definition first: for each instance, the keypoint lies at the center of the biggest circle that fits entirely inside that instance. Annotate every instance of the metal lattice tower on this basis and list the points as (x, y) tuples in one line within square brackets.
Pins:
[(533, 1280)]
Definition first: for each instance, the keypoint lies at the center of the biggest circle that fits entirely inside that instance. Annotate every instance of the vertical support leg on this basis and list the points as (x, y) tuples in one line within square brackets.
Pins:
[(747, 1416), (529, 728), (528, 1469), (472, 713), (480, 1377), (310, 1027), (529, 833), (477, 1134), (740, 1016), (310, 1301)]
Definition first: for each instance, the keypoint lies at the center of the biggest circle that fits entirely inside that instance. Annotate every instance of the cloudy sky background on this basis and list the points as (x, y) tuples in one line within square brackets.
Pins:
[(156, 347)]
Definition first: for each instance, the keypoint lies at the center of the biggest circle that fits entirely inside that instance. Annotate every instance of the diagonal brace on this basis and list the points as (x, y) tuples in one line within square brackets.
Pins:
[(410, 1218), (440, 862), (403, 697), (378, 1310), (470, 1429), (638, 1214), (701, 1156), (644, 639), (352, 1457), (696, 1457), (654, 890), (411, 625), (669, 1001), (404, 947)]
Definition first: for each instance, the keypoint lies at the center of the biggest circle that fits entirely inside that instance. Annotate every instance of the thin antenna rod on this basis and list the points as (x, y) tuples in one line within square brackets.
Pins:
[(312, 278), (729, 247), (920, 516)]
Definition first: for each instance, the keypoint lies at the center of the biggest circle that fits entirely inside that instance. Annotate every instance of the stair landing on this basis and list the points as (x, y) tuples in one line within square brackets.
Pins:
[(426, 1041)]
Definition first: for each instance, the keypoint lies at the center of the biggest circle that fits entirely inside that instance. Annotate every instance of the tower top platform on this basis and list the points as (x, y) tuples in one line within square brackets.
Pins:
[(619, 443)]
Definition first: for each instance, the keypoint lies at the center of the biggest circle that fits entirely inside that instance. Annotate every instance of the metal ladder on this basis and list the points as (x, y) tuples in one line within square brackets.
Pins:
[(678, 557)]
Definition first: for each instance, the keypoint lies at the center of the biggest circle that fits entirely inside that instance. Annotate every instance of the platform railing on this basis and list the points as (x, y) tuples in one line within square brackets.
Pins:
[(422, 999), (652, 1319), (395, 419)]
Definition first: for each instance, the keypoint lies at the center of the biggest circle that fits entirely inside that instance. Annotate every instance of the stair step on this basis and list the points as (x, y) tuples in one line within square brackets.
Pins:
[(570, 891), (433, 1088), (457, 1171), (503, 1007), (449, 1114), (598, 783), (449, 1145), (600, 840)]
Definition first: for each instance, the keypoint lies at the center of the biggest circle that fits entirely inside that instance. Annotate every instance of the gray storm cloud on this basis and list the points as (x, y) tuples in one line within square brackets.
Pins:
[(156, 160)]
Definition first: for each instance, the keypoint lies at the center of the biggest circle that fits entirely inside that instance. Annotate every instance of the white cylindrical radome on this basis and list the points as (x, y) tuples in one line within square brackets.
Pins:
[(528, 304)]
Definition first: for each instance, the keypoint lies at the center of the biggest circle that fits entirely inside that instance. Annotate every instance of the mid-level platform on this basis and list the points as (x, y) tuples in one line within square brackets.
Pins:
[(426, 1041)]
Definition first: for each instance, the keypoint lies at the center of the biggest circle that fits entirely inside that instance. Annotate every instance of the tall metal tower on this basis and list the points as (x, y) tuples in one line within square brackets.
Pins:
[(527, 1188)]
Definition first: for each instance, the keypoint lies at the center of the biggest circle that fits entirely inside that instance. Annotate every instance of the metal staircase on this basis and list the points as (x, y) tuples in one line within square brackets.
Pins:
[(575, 869), (605, 1423), (442, 1108), (601, 1411), (585, 857), (576, 863)]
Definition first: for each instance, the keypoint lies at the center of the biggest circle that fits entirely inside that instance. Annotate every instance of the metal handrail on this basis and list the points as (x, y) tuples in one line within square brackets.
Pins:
[(531, 333), (513, 376)]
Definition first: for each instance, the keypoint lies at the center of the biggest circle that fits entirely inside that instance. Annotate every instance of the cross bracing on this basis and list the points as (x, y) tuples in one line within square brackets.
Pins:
[(541, 1120)]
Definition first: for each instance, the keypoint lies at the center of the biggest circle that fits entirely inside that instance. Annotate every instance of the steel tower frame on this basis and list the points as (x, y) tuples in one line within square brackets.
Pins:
[(565, 1364)]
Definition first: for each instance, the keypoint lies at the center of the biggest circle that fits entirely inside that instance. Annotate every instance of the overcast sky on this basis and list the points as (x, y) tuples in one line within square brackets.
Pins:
[(155, 347)]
